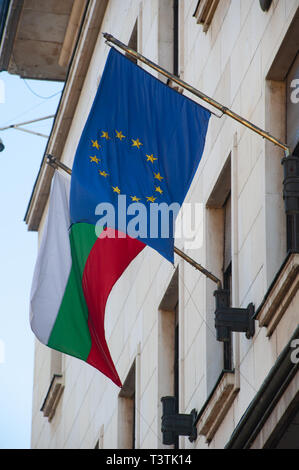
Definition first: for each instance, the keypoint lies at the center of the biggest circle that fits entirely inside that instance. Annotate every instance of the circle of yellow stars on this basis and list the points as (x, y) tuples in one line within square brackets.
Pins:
[(136, 143)]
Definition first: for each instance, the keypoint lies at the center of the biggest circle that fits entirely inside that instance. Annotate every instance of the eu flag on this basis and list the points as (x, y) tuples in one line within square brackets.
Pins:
[(142, 140)]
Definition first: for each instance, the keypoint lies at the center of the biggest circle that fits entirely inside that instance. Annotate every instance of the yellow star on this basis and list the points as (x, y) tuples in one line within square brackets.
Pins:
[(150, 158), (103, 173), (95, 144), (120, 135), (105, 135), (94, 159), (136, 143), (151, 199), (116, 189), (157, 176), (135, 199), (158, 189)]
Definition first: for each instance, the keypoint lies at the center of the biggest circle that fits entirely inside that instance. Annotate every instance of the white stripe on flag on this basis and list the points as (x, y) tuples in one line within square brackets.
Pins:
[(53, 262)]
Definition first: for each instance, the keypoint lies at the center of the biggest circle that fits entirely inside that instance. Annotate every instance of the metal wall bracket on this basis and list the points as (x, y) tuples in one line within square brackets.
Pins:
[(176, 424), (228, 319)]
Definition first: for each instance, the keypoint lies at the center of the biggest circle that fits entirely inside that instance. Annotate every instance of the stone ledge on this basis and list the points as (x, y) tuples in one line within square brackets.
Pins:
[(280, 295), (218, 405), (53, 396)]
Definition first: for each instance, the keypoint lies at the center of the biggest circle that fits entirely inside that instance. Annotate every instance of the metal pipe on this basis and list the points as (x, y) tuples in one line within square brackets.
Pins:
[(199, 94), (54, 163)]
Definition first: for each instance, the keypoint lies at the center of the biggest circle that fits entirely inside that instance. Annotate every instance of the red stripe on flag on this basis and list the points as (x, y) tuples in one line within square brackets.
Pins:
[(108, 259)]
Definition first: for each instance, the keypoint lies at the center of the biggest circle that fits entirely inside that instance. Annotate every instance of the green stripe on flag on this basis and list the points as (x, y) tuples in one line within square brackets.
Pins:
[(70, 333)]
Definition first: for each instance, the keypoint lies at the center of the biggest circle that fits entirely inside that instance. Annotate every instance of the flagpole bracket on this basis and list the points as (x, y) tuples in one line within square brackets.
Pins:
[(227, 111), (55, 163), (51, 161), (228, 319), (177, 424)]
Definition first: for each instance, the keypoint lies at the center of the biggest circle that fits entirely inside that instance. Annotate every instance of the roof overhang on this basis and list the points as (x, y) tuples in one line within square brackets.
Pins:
[(90, 29), (37, 37)]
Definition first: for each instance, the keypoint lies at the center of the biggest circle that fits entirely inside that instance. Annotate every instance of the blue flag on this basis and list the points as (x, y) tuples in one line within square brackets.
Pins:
[(139, 151)]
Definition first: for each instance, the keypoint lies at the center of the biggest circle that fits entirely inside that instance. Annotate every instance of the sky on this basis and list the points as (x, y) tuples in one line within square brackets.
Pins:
[(20, 100)]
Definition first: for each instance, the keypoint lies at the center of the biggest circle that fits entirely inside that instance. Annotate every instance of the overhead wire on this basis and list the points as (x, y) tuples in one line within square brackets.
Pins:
[(36, 94), (30, 109)]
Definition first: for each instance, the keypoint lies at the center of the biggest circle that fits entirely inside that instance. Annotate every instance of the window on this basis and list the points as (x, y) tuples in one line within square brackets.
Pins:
[(219, 261), (281, 120), (293, 106), (126, 412), (292, 112), (176, 363), (176, 37), (227, 272), (168, 347), (204, 12), (170, 35), (56, 386)]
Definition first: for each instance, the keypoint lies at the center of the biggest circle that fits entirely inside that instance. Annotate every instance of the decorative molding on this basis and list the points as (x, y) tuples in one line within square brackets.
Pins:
[(204, 12), (280, 295), (53, 396), (260, 410), (218, 404), (281, 415)]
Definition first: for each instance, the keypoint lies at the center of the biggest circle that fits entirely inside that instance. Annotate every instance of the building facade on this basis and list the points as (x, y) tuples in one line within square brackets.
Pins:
[(160, 319)]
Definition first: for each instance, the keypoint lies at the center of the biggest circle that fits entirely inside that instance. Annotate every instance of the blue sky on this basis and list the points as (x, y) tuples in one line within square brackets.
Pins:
[(19, 165)]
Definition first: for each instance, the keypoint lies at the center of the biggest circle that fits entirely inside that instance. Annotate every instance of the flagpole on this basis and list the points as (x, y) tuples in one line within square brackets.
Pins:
[(18, 128), (54, 163), (199, 94), (199, 267)]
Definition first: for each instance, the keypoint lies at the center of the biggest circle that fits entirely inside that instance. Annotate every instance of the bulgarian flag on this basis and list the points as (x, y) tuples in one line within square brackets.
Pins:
[(72, 282), (139, 150)]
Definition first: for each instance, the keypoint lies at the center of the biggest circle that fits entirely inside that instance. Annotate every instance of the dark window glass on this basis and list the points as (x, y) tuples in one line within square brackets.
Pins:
[(176, 37), (227, 273)]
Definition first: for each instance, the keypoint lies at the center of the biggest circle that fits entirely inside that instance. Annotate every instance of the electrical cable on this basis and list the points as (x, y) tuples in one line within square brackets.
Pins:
[(27, 111), (36, 94)]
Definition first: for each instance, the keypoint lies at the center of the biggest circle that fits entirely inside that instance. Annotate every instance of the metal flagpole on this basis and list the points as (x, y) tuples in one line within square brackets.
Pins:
[(54, 163), (199, 94), (17, 126), (198, 266)]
